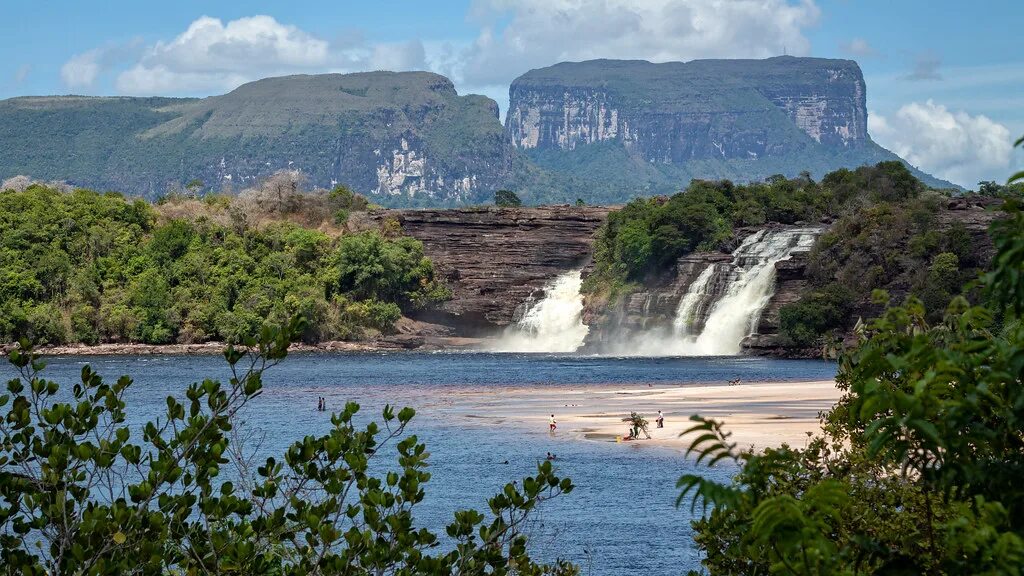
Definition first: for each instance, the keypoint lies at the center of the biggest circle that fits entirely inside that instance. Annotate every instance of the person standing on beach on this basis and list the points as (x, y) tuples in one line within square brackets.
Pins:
[(552, 425), (660, 419)]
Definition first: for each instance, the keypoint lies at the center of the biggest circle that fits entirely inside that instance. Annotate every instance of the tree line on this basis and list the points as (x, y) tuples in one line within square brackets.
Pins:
[(89, 267)]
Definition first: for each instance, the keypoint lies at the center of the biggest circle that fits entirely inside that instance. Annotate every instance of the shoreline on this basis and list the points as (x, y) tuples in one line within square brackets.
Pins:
[(757, 415), (388, 344)]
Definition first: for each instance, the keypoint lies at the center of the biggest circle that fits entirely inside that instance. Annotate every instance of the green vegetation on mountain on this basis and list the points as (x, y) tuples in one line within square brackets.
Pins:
[(88, 267), (331, 127), (919, 464), (409, 139), (84, 492), (885, 237), (507, 199), (622, 128)]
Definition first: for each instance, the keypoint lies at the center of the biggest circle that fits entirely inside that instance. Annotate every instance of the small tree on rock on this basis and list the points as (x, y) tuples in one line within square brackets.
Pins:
[(507, 199)]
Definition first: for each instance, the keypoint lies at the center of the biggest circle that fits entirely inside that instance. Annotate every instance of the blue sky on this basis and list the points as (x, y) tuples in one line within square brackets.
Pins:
[(945, 79)]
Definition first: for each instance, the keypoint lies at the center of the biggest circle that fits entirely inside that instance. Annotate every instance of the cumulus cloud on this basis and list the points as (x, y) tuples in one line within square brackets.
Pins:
[(517, 35), (858, 47), (953, 145), (212, 55), (81, 70)]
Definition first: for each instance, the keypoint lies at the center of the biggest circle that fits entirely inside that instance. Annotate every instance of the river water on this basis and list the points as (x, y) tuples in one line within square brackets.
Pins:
[(621, 517)]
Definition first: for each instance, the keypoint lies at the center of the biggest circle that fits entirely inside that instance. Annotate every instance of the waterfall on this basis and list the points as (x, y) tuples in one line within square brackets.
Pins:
[(724, 304), (552, 324)]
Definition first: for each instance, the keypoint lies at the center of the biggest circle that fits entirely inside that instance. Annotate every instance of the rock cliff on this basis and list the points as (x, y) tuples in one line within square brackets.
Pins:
[(663, 123), (405, 138), (604, 131), (494, 259)]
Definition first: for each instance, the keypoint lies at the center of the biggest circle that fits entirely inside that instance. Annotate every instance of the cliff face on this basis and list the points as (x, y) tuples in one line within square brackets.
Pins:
[(664, 123), (494, 259), (605, 131), (403, 138), (675, 112)]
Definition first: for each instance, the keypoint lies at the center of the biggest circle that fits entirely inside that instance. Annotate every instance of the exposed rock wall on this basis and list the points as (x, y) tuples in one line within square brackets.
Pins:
[(494, 259), (676, 112)]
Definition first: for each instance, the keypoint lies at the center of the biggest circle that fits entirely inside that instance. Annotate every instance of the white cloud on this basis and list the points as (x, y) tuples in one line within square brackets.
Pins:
[(858, 47), (214, 56), (953, 145), (397, 56), (517, 35), (81, 70)]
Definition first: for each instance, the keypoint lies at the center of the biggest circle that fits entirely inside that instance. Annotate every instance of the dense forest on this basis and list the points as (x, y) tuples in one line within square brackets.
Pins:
[(884, 234), (917, 469), (81, 266)]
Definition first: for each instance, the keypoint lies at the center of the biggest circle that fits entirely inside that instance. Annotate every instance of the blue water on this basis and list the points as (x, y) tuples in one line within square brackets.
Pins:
[(622, 515)]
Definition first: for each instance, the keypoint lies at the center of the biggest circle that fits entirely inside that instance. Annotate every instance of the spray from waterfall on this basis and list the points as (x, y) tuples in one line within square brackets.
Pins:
[(748, 282), (551, 324)]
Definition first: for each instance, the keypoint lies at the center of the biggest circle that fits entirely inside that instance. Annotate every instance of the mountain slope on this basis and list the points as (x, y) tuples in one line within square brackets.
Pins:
[(616, 122), (407, 138), (604, 131)]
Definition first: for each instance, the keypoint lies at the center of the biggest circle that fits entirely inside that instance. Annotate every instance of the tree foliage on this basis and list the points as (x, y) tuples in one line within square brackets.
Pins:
[(89, 267), (918, 469), (507, 199), (647, 236), (82, 492)]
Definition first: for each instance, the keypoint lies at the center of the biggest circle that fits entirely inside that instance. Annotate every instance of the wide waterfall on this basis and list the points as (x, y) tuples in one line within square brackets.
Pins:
[(724, 304), (552, 324)]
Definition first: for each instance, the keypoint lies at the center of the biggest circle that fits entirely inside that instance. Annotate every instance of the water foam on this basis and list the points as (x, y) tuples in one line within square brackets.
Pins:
[(552, 324)]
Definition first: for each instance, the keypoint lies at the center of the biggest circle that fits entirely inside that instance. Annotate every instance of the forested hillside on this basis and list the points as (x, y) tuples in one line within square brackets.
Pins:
[(886, 230), (603, 131), (87, 267)]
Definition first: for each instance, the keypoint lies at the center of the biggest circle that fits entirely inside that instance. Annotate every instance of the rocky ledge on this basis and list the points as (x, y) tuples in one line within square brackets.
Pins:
[(495, 259)]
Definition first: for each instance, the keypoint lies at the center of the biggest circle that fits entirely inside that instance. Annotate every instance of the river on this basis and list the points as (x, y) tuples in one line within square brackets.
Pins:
[(621, 517)]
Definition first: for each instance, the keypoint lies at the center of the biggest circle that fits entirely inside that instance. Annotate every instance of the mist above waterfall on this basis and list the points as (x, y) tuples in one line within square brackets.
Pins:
[(724, 303), (552, 324)]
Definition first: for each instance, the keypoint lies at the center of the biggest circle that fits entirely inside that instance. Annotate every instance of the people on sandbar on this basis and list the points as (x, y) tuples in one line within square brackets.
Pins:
[(552, 424), (635, 424), (660, 419)]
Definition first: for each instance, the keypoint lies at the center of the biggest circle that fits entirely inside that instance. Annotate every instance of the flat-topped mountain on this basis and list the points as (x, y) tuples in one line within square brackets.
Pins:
[(604, 131), (403, 137), (615, 121)]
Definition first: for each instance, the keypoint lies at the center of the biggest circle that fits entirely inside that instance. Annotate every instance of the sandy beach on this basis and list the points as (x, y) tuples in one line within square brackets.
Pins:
[(758, 414)]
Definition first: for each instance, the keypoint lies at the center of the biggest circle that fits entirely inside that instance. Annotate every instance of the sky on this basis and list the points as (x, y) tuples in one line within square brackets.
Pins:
[(945, 78)]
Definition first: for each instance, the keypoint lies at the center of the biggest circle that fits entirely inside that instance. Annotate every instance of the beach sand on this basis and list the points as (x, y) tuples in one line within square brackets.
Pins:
[(758, 415)]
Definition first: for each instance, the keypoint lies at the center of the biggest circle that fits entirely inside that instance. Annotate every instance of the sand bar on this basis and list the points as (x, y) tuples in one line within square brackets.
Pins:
[(758, 414)]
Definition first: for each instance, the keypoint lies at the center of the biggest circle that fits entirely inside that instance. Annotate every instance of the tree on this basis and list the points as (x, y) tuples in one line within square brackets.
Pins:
[(507, 199), (80, 494), (918, 469), (194, 187)]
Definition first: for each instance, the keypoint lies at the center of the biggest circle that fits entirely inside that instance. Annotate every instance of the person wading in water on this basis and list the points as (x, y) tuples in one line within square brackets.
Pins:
[(552, 425)]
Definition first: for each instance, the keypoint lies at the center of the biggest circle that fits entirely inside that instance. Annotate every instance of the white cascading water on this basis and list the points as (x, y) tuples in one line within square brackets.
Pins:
[(552, 324), (749, 282)]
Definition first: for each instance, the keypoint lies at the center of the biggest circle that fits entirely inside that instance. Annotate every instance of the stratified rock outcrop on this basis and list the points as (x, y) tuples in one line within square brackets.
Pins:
[(663, 123), (605, 131), (494, 259), (402, 137)]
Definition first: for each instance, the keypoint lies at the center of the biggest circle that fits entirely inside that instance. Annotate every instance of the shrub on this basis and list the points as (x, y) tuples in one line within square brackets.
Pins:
[(87, 490), (507, 199), (806, 321)]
